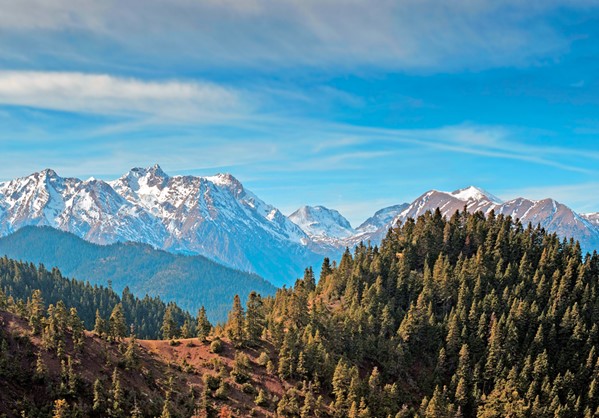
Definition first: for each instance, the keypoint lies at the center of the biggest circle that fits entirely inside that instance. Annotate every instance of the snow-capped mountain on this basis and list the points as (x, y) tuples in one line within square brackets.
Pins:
[(322, 224), (473, 193), (219, 218), (550, 214), (212, 216), (90, 209)]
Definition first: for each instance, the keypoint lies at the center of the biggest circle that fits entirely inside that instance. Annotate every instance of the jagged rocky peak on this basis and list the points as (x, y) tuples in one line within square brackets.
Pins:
[(227, 180), (139, 177), (142, 172), (48, 173), (42, 178)]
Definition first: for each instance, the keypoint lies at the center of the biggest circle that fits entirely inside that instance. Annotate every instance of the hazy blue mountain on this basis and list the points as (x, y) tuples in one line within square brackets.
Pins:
[(191, 281)]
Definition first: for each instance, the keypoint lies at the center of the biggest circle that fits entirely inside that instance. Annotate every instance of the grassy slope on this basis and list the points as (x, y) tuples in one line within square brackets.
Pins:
[(186, 363)]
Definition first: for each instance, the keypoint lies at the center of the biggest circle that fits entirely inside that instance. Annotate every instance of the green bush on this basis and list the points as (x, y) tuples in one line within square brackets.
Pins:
[(221, 392), (216, 346), (263, 359), (211, 381), (261, 399), (248, 388)]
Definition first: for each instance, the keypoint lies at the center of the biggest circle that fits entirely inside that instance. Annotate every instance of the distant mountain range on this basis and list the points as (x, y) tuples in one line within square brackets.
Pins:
[(550, 214), (211, 216), (190, 281), (219, 218)]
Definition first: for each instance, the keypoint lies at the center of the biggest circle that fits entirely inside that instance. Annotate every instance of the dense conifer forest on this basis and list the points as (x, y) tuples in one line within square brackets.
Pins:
[(25, 284), (449, 317), (461, 317)]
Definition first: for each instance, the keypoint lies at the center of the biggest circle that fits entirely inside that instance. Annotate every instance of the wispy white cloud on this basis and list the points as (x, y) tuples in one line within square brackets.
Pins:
[(486, 141), (429, 34), (105, 94)]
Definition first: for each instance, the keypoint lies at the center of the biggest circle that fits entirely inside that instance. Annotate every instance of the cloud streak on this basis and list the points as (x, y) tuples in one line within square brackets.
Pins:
[(486, 141), (407, 34), (105, 94)]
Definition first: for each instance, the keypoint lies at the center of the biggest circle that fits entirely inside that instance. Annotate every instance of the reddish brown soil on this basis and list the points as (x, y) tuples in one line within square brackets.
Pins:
[(186, 361)]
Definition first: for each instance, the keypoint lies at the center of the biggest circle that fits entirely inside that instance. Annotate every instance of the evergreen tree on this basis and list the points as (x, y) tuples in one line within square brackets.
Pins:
[(254, 318), (36, 311), (203, 326), (131, 355), (136, 412), (169, 324), (166, 408), (236, 323), (117, 324), (309, 405), (261, 398), (61, 409), (115, 405), (99, 325), (241, 368), (186, 329), (77, 329), (41, 370), (99, 400)]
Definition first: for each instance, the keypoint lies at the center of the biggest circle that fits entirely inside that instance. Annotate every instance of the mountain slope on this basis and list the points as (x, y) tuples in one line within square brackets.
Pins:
[(467, 316), (161, 376), (470, 316), (382, 218), (591, 217), (190, 281), (212, 216)]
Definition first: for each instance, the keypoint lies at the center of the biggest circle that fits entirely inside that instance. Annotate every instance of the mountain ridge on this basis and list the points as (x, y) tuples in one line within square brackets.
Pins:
[(212, 216), (549, 213), (217, 217)]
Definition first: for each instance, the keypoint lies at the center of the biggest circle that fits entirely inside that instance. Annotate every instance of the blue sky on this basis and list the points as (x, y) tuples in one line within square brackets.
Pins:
[(351, 104)]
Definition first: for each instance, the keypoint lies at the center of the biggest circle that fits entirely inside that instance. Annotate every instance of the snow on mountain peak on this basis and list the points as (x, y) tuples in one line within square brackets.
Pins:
[(474, 193), (217, 217), (227, 180), (593, 217), (320, 222), (140, 181), (140, 172)]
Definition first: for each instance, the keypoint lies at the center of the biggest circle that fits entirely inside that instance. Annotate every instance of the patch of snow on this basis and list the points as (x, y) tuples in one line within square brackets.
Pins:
[(474, 193)]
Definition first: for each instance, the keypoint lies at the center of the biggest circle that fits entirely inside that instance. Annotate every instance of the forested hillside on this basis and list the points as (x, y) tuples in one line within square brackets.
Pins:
[(190, 281), (461, 317), (24, 283)]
